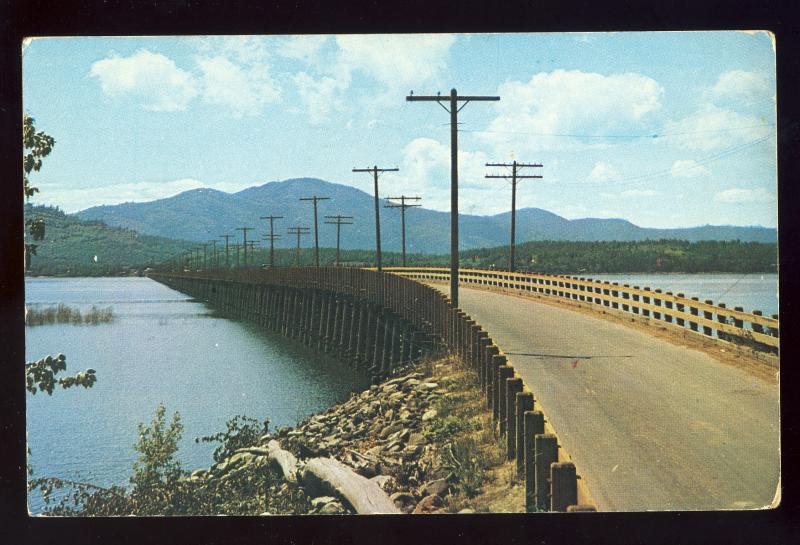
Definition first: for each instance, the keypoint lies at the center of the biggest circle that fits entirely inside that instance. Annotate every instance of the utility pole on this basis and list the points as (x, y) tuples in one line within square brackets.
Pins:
[(514, 177), (338, 221), (244, 240), (314, 199), (375, 171), (205, 266), (237, 246), (453, 111), (252, 244), (402, 206), (196, 261), (227, 238), (215, 261), (272, 237), (298, 231)]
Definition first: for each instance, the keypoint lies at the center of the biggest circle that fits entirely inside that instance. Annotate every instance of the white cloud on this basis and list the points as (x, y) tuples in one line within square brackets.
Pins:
[(320, 95), (736, 195), (639, 193), (241, 49), (152, 77), (305, 48), (603, 172), (740, 85), (570, 102), (687, 168), (397, 62), (243, 89), (425, 170), (713, 128)]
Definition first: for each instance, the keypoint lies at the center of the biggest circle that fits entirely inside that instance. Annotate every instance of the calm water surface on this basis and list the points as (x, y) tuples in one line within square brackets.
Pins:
[(162, 347)]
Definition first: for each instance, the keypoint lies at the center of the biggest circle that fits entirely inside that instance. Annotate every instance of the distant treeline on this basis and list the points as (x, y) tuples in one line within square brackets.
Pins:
[(565, 257), (562, 257)]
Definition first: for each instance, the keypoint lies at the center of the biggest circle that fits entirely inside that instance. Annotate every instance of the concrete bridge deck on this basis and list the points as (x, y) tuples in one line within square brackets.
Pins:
[(651, 425)]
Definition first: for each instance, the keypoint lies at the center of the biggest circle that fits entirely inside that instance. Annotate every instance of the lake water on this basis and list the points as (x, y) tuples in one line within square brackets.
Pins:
[(162, 347)]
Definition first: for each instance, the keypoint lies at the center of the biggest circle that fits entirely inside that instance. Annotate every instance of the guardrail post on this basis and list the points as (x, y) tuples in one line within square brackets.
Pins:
[(775, 331), (635, 298), (626, 295), (722, 319), (495, 361), (646, 301), (524, 404), (657, 302), (668, 304), (694, 312), (708, 315), (486, 368), (534, 426), (546, 453), (680, 308), (563, 486), (513, 387), (758, 328), (503, 372)]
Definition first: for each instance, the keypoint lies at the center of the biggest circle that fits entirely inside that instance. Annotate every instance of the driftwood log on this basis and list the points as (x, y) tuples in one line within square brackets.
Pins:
[(284, 460), (329, 476)]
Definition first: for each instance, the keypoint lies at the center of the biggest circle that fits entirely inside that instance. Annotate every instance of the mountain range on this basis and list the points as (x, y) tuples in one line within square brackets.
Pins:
[(205, 214)]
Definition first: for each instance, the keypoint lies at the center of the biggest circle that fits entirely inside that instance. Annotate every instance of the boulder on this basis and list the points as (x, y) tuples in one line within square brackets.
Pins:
[(439, 487), (429, 504), (404, 501)]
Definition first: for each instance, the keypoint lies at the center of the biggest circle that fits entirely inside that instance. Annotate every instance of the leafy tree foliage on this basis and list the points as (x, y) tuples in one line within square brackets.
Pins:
[(240, 432), (159, 486), (41, 375), (36, 146)]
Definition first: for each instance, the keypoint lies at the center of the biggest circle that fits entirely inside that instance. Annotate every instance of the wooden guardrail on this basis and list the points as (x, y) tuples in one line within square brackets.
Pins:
[(552, 482), (674, 310)]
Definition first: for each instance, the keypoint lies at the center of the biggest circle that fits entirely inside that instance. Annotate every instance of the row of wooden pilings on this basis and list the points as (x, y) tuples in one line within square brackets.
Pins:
[(377, 320), (371, 338)]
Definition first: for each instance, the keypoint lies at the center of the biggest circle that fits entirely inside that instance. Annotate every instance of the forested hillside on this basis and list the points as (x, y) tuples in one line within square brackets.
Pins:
[(75, 247)]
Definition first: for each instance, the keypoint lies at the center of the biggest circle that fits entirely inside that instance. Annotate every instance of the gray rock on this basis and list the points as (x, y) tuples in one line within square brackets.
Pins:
[(403, 501), (429, 415), (429, 504), (439, 487), (386, 482)]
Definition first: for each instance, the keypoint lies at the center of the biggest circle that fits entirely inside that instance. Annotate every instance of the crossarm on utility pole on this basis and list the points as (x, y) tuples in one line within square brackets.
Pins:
[(453, 110)]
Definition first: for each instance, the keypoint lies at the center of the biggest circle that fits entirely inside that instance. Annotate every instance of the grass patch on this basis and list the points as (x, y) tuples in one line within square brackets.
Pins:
[(63, 314), (469, 447)]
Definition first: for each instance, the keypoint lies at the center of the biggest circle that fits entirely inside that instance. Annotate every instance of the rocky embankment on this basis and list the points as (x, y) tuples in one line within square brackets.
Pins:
[(415, 443)]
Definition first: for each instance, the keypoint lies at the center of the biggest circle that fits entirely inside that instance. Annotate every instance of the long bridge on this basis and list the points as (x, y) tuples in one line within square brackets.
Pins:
[(648, 423)]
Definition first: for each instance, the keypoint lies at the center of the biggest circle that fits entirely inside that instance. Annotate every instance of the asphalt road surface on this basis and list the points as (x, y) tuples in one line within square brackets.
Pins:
[(649, 424)]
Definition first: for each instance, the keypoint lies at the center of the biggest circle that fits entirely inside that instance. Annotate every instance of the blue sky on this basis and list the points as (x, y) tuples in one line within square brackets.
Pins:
[(663, 129)]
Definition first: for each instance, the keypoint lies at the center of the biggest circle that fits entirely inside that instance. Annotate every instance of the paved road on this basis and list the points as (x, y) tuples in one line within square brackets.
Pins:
[(650, 425)]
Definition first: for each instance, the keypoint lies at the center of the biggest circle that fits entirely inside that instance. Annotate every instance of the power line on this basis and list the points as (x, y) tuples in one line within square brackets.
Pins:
[(453, 111), (339, 220), (630, 136), (375, 172), (314, 199), (514, 179), (402, 206)]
